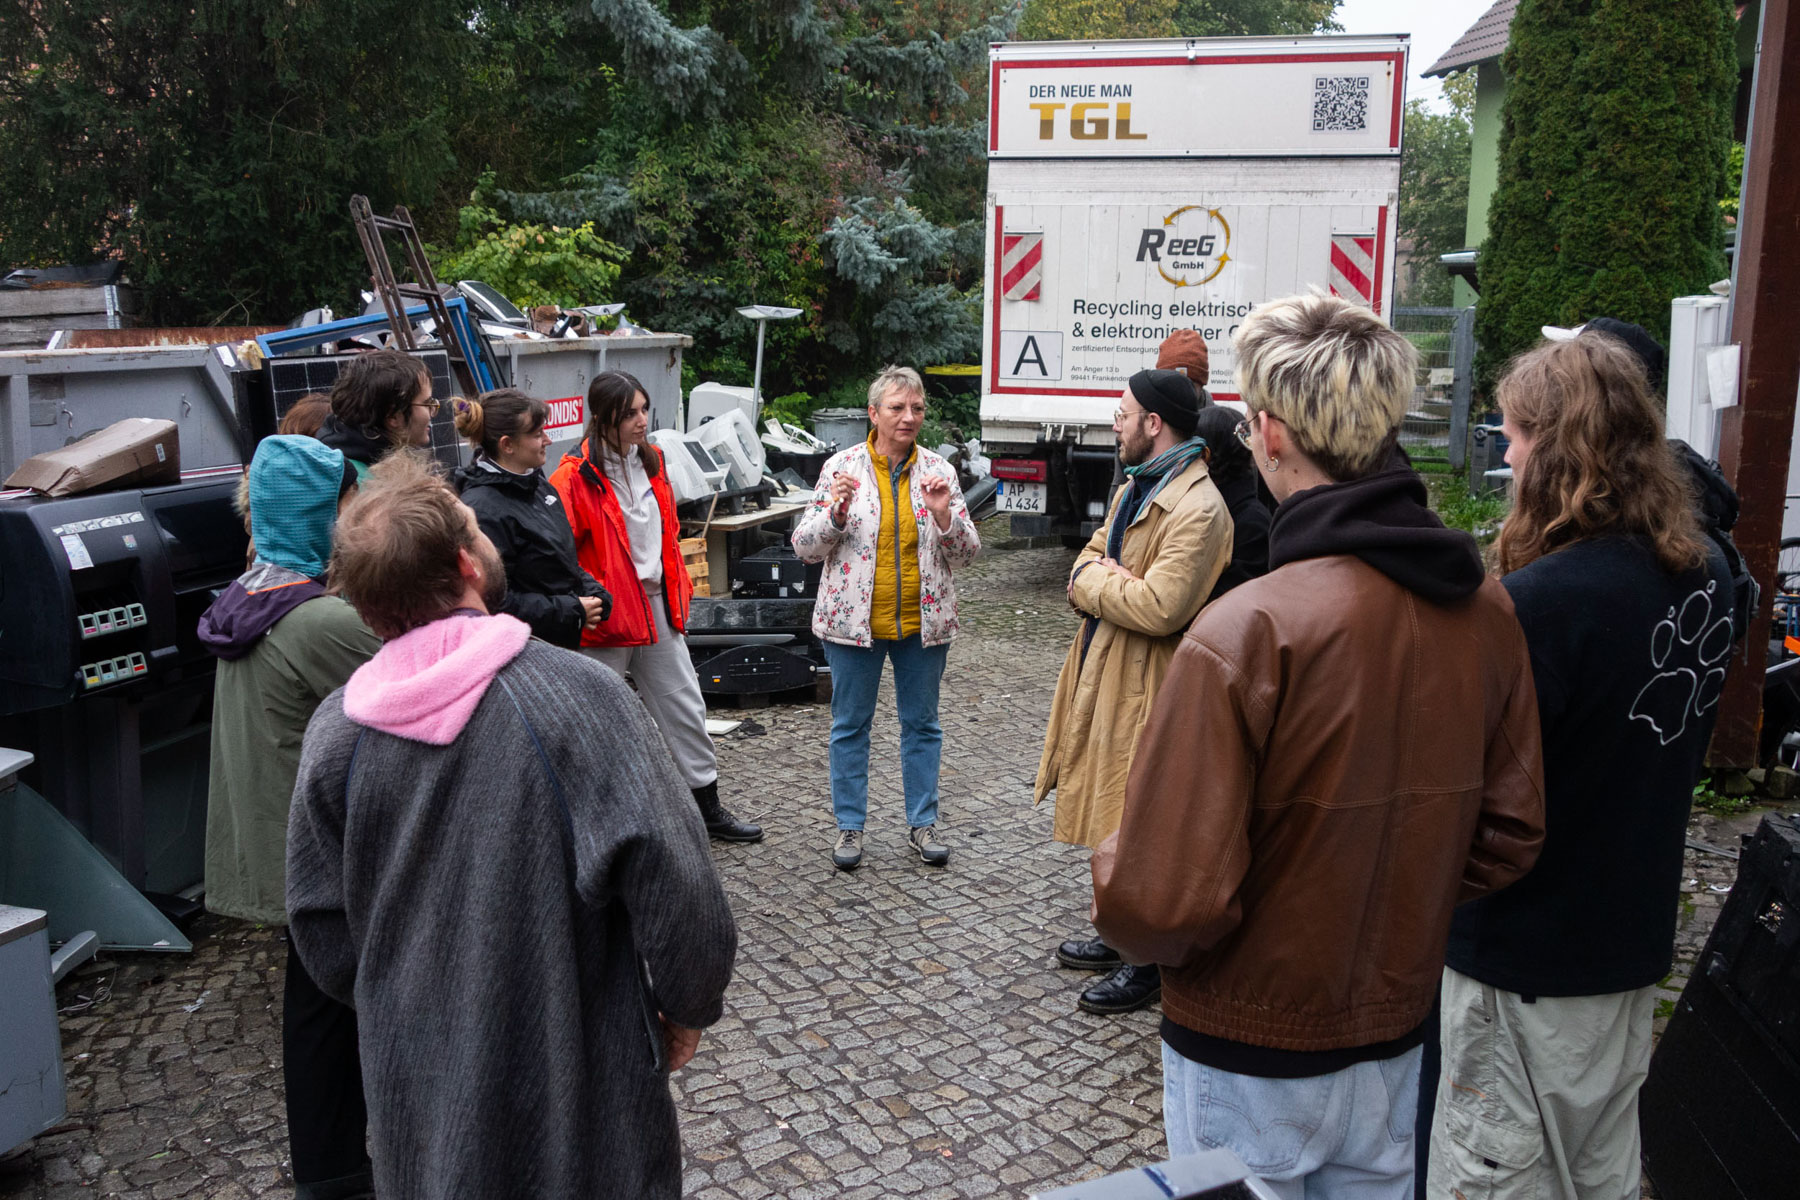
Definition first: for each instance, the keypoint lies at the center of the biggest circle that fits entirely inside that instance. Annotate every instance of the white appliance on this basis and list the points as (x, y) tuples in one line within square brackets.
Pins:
[(732, 440), (694, 472), (709, 401), (1698, 326)]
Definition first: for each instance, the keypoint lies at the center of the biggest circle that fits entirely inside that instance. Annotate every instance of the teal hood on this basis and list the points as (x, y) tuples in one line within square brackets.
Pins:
[(294, 487)]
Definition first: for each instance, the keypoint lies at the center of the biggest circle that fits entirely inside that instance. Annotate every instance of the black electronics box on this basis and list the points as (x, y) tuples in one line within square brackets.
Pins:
[(1720, 1111), (774, 573)]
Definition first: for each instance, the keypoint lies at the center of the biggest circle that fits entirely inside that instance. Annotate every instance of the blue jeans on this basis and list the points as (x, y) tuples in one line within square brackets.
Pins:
[(1343, 1136), (855, 679)]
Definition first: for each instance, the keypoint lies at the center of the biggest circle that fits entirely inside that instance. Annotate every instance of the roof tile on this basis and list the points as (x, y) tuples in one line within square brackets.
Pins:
[(1485, 39)]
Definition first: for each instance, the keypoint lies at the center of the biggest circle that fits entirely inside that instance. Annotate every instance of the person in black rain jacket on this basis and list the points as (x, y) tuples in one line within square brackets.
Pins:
[(523, 516), (1233, 473)]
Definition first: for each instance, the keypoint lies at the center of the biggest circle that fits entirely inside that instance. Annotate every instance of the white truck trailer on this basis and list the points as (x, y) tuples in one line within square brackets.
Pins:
[(1139, 187)]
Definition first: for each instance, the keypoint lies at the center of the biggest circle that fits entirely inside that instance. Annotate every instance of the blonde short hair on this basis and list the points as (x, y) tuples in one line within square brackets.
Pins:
[(1334, 373), (901, 379)]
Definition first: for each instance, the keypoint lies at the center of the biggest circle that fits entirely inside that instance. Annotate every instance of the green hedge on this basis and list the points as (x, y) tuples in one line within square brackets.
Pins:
[(1614, 144)]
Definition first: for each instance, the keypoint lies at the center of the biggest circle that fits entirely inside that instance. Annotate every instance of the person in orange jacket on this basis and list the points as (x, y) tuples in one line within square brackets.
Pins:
[(622, 511)]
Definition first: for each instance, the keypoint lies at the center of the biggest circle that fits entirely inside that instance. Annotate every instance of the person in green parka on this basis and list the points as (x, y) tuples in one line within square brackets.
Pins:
[(283, 645)]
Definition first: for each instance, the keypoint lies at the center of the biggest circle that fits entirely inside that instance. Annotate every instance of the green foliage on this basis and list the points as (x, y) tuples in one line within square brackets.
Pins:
[(1246, 18), (1708, 799), (1462, 509), (1459, 93), (214, 145), (1614, 141), (530, 264), (1067, 20), (771, 152), (1434, 199), (792, 409), (1734, 180)]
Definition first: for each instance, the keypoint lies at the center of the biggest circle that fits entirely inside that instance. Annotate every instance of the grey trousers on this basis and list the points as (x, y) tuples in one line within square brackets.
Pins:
[(666, 683), (1539, 1099)]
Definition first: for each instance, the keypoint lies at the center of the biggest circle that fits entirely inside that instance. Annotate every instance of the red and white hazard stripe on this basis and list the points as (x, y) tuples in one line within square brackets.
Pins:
[(1021, 265), (1353, 267)]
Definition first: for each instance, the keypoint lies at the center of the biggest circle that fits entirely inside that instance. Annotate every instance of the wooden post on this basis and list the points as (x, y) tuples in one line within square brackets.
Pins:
[(1756, 435)]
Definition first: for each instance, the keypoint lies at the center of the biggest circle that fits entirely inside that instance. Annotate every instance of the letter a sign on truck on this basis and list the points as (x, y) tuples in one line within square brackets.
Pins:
[(1136, 188)]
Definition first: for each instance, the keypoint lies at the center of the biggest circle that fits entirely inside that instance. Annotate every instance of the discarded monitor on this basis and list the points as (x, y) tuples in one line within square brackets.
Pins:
[(694, 473)]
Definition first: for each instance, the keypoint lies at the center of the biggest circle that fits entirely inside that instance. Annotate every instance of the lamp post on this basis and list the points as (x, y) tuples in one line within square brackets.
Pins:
[(762, 314)]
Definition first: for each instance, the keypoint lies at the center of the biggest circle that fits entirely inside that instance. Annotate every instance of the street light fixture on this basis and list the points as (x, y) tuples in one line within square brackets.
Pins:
[(762, 314)]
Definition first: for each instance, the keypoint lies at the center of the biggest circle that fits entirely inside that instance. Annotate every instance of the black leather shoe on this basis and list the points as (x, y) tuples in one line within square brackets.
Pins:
[(1089, 955), (360, 1186), (720, 822), (1125, 990)]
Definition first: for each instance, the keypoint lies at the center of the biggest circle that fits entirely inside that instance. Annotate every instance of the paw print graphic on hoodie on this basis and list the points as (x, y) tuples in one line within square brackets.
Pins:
[(1688, 649)]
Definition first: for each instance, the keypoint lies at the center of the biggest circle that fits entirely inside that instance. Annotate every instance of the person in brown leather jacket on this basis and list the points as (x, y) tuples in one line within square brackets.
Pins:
[(1343, 750)]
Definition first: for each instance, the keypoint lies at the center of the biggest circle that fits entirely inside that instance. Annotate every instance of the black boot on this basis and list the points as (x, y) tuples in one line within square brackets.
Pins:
[(360, 1186), (720, 823), (1088, 954), (1125, 990)]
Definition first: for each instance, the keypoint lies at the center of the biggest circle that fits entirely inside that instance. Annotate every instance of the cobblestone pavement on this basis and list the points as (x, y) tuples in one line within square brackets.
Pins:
[(896, 1031)]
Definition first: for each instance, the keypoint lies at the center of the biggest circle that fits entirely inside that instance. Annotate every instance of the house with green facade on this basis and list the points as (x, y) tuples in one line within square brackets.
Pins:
[(1479, 50)]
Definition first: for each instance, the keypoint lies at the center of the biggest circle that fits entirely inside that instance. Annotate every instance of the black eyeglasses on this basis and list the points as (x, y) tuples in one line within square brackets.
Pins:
[(1243, 431)]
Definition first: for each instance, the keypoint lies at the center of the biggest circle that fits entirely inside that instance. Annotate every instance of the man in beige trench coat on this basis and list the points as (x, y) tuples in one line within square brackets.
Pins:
[(1139, 582)]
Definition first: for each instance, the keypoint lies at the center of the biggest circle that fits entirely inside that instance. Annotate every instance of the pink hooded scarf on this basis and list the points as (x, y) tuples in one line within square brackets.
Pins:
[(424, 685)]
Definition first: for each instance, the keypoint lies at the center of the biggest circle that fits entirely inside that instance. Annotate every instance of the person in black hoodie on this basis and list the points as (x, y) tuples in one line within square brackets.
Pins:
[(1235, 476), (1343, 748), (379, 401), (523, 516), (1549, 991)]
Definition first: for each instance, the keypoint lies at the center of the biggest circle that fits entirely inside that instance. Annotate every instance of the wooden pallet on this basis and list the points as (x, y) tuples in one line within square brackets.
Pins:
[(693, 555)]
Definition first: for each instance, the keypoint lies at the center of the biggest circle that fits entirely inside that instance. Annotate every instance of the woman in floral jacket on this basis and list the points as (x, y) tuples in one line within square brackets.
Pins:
[(889, 523)]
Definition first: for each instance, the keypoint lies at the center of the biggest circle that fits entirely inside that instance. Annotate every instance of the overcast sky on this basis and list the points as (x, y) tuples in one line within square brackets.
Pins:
[(1434, 25)]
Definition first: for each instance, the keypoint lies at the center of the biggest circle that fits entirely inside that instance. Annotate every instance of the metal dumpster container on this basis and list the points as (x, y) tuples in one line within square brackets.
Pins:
[(48, 398), (559, 371)]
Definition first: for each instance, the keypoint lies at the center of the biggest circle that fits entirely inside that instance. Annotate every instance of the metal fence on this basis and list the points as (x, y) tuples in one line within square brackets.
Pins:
[(1436, 429)]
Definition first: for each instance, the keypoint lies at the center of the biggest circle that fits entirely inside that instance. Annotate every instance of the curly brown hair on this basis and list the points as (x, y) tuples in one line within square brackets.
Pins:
[(1598, 464)]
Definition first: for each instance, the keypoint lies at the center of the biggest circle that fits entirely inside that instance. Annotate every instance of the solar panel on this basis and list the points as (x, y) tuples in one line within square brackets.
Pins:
[(291, 377)]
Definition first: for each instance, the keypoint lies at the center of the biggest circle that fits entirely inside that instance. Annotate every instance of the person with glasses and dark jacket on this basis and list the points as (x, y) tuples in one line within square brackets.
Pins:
[(523, 516), (1228, 458), (380, 400)]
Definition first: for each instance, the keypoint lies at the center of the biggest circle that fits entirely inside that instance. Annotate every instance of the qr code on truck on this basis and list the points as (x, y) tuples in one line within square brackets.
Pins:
[(1340, 103)]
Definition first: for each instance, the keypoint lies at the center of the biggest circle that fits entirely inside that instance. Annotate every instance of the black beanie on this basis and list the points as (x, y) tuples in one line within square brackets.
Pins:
[(1640, 342), (1171, 395)]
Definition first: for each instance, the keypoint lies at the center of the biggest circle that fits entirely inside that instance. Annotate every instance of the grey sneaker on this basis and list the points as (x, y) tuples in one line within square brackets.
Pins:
[(931, 851), (848, 852)]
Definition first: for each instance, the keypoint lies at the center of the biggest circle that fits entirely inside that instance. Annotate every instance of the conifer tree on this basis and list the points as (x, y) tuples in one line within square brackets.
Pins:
[(1614, 142)]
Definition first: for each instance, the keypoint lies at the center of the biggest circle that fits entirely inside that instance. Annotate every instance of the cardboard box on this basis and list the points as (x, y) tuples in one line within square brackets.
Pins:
[(135, 452)]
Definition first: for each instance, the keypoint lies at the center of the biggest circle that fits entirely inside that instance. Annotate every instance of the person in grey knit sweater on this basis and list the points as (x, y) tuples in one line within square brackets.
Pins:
[(492, 858)]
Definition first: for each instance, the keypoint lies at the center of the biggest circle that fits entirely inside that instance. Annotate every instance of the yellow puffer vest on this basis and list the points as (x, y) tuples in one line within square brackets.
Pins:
[(894, 612)]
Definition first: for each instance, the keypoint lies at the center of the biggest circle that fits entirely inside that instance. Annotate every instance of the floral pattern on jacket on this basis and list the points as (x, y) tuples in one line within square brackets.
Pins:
[(847, 584)]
